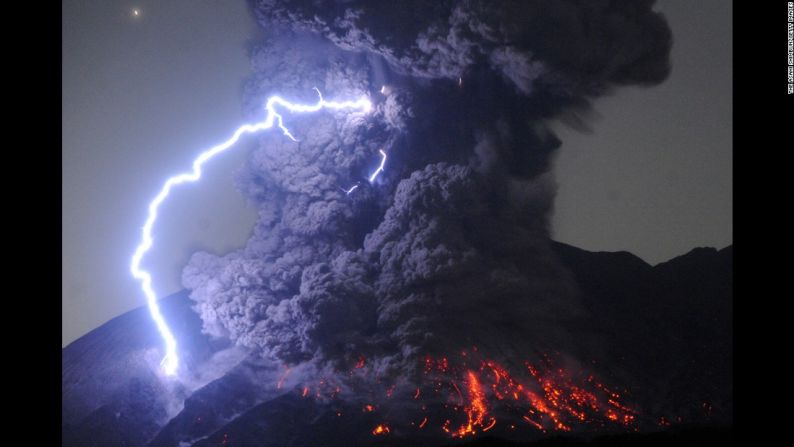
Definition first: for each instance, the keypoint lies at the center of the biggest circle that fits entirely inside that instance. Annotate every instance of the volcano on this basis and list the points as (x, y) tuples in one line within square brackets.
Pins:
[(665, 333)]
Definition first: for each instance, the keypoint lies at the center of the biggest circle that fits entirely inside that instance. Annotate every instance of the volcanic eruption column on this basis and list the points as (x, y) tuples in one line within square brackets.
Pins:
[(170, 362)]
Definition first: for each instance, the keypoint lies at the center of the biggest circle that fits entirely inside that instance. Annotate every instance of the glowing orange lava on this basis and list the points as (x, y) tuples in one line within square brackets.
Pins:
[(381, 429), (470, 394), (282, 379), (476, 410)]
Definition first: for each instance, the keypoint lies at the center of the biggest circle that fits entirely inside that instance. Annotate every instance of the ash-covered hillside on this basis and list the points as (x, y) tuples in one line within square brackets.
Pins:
[(668, 328)]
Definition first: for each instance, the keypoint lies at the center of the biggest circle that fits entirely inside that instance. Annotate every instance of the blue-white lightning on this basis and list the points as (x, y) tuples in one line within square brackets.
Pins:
[(374, 175), (349, 190), (170, 362)]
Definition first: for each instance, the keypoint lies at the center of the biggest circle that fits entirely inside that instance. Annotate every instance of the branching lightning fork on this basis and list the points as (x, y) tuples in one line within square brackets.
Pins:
[(372, 176), (170, 362)]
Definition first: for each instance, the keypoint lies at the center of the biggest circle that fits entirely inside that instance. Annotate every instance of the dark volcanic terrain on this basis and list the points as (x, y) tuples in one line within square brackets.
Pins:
[(670, 326)]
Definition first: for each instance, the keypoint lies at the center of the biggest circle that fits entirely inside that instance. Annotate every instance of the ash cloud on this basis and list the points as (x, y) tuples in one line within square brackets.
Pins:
[(450, 247)]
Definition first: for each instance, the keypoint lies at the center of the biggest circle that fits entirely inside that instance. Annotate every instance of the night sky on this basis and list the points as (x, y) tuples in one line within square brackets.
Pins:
[(143, 93)]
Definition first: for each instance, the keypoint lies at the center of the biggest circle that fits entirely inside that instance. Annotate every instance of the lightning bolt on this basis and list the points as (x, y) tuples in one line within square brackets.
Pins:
[(372, 176), (349, 190), (170, 362), (380, 168)]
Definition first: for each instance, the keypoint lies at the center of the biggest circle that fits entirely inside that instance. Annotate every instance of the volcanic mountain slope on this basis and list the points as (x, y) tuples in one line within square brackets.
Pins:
[(671, 323), (668, 326), (112, 393)]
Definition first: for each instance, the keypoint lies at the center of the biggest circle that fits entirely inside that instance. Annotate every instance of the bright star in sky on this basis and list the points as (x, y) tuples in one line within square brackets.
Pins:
[(136, 12)]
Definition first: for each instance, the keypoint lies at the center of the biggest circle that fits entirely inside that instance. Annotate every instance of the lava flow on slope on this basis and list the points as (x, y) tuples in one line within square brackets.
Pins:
[(471, 394)]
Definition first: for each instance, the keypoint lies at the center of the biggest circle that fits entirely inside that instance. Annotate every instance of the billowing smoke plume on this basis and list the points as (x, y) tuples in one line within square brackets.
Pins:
[(449, 247)]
